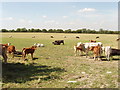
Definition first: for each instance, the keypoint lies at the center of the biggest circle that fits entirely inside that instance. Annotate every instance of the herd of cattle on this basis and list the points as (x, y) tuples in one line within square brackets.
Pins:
[(96, 47)]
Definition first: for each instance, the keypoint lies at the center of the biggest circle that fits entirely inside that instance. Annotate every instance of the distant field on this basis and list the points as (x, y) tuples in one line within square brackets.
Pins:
[(55, 65)]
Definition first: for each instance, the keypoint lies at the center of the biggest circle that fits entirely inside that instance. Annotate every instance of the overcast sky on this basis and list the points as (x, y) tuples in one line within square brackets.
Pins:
[(62, 15)]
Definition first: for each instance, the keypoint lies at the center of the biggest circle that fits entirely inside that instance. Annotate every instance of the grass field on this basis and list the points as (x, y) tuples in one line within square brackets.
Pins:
[(55, 65)]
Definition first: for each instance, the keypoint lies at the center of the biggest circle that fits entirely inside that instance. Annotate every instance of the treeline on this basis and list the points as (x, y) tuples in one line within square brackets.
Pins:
[(84, 30)]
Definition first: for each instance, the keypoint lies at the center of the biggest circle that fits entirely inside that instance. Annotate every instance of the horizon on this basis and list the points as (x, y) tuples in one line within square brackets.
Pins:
[(60, 15)]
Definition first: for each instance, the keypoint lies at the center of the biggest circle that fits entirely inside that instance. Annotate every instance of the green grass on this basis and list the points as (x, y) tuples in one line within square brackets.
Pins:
[(55, 65)]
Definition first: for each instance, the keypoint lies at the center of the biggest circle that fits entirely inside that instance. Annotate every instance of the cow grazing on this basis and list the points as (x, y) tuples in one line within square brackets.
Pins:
[(11, 50), (58, 42), (96, 51), (3, 52), (97, 37), (30, 50), (93, 41), (111, 52), (64, 36), (10, 36), (77, 37), (117, 39), (33, 36), (80, 48), (51, 36)]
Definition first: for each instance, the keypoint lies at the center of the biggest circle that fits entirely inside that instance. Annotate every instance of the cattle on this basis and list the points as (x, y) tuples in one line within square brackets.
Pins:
[(10, 36), (30, 50), (6, 45), (11, 50), (64, 36), (33, 36), (117, 39), (111, 52), (58, 42), (96, 51), (3, 52), (55, 43), (39, 45), (52, 36), (93, 41), (97, 37), (77, 37), (89, 45), (80, 48)]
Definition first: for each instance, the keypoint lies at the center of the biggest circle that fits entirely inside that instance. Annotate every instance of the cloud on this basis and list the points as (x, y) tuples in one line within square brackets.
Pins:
[(50, 21), (22, 20), (25, 21), (29, 21), (87, 10), (65, 16), (7, 18), (44, 16)]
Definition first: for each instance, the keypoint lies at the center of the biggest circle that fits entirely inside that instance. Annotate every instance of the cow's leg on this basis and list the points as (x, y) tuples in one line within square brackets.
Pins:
[(81, 52), (5, 57), (94, 57), (32, 56), (23, 56), (12, 54), (108, 57)]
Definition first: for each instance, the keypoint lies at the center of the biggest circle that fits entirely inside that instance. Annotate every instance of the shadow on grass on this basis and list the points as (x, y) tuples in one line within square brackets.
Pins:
[(20, 73), (105, 59)]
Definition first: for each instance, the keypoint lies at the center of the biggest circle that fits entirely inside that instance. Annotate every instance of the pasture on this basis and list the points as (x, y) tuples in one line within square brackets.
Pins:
[(55, 66)]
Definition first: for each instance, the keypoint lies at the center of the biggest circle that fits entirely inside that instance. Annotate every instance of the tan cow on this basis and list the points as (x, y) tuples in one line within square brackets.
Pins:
[(96, 51)]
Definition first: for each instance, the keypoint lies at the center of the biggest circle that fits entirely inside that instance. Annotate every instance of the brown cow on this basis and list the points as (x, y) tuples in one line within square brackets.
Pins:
[(93, 41), (30, 50), (3, 52), (6, 45), (96, 51), (80, 48), (11, 50)]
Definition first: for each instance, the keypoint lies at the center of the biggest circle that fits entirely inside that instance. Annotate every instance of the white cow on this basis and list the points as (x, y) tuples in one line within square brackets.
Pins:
[(39, 45), (107, 52)]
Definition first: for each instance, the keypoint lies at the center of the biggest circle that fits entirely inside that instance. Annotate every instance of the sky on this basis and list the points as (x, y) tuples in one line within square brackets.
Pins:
[(59, 15)]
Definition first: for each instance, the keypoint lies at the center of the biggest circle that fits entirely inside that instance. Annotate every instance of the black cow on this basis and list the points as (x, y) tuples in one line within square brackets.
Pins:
[(115, 52), (77, 37), (97, 37), (58, 42), (52, 36)]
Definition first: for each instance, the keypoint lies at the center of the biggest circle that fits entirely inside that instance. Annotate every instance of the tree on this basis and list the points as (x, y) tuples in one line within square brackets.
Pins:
[(44, 30), (4, 30), (68, 31)]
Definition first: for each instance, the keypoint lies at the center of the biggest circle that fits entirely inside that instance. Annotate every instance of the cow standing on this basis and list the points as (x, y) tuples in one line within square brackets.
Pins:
[(96, 51), (11, 50), (80, 48), (30, 50), (111, 52)]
